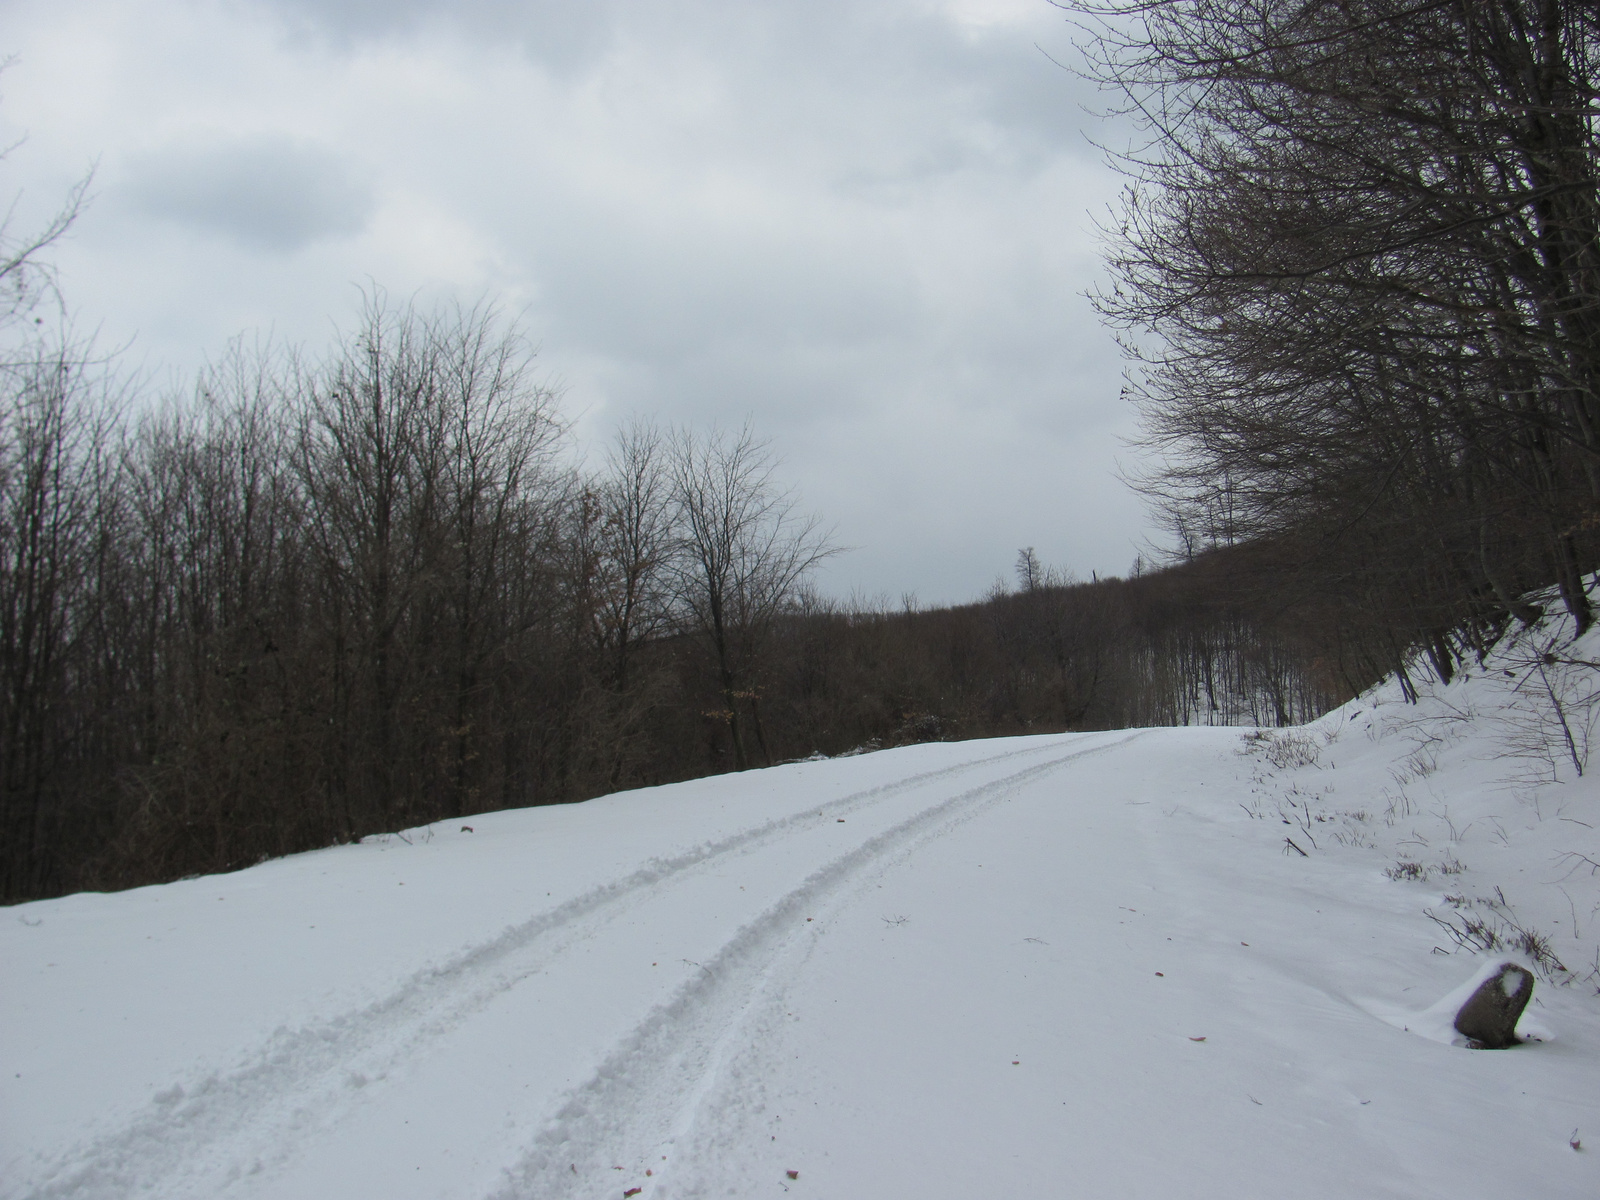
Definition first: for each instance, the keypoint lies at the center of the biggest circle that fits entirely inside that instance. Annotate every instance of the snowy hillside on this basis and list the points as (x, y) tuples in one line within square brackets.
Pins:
[(1154, 963)]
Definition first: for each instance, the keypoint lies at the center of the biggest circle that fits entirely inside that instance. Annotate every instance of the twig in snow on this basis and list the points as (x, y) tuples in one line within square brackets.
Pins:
[(1582, 858), (1561, 716), (1289, 844), (1574, 909)]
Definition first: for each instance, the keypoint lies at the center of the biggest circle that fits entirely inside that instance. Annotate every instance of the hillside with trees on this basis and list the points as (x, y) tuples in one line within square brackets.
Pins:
[(320, 599)]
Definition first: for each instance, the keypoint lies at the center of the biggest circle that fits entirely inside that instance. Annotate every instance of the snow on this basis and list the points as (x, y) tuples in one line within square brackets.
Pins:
[(1087, 964)]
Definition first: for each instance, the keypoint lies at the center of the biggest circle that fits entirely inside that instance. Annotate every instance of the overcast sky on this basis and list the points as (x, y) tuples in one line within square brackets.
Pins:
[(866, 224)]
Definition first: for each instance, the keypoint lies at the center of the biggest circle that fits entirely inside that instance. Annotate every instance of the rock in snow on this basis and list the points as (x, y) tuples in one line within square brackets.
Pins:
[(1488, 1020)]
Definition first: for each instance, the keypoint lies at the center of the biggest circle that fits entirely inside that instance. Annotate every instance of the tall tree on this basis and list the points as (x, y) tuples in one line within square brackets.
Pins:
[(744, 549)]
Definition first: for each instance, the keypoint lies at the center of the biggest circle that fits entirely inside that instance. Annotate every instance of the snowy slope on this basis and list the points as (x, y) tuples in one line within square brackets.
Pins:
[(1053, 966)]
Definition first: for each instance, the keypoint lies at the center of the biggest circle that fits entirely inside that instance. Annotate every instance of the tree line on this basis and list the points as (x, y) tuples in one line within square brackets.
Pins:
[(1358, 260), (317, 599)]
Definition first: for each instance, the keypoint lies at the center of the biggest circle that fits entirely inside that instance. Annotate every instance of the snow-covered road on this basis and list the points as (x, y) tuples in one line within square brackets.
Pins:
[(1058, 966)]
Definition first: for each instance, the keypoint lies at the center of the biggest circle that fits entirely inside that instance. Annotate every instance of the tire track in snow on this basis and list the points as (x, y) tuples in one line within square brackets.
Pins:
[(645, 1099), (199, 1136)]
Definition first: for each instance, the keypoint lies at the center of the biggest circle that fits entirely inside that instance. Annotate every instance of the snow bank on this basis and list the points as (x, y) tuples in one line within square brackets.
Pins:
[(1476, 798)]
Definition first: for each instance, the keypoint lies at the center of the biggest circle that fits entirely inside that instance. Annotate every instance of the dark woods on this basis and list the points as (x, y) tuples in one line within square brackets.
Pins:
[(1365, 235), (316, 601)]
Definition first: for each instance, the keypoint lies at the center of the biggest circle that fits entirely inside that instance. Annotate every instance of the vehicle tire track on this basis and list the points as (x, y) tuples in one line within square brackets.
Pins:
[(202, 1134), (644, 1099)]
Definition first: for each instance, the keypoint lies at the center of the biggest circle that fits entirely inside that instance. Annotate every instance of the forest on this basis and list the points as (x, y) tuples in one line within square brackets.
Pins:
[(311, 602), (1357, 268)]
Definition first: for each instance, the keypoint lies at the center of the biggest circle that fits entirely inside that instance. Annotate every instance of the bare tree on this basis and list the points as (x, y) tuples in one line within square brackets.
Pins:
[(500, 433), (637, 538), (1031, 575), (58, 494), (743, 551), (25, 278), (421, 455)]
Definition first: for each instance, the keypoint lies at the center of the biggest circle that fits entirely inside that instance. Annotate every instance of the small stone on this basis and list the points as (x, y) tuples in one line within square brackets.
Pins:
[(1488, 1020)]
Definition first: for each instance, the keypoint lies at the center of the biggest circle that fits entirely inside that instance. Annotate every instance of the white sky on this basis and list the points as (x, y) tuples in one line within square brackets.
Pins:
[(867, 224)]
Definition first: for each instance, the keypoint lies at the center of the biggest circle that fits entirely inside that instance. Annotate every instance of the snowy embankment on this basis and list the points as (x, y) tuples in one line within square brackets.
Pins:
[(1158, 963)]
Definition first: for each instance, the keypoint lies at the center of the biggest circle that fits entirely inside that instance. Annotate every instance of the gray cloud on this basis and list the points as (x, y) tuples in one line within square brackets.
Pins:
[(862, 223), (268, 192), (561, 35)]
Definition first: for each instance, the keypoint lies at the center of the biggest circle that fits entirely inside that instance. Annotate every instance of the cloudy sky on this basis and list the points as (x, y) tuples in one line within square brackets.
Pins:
[(866, 224)]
